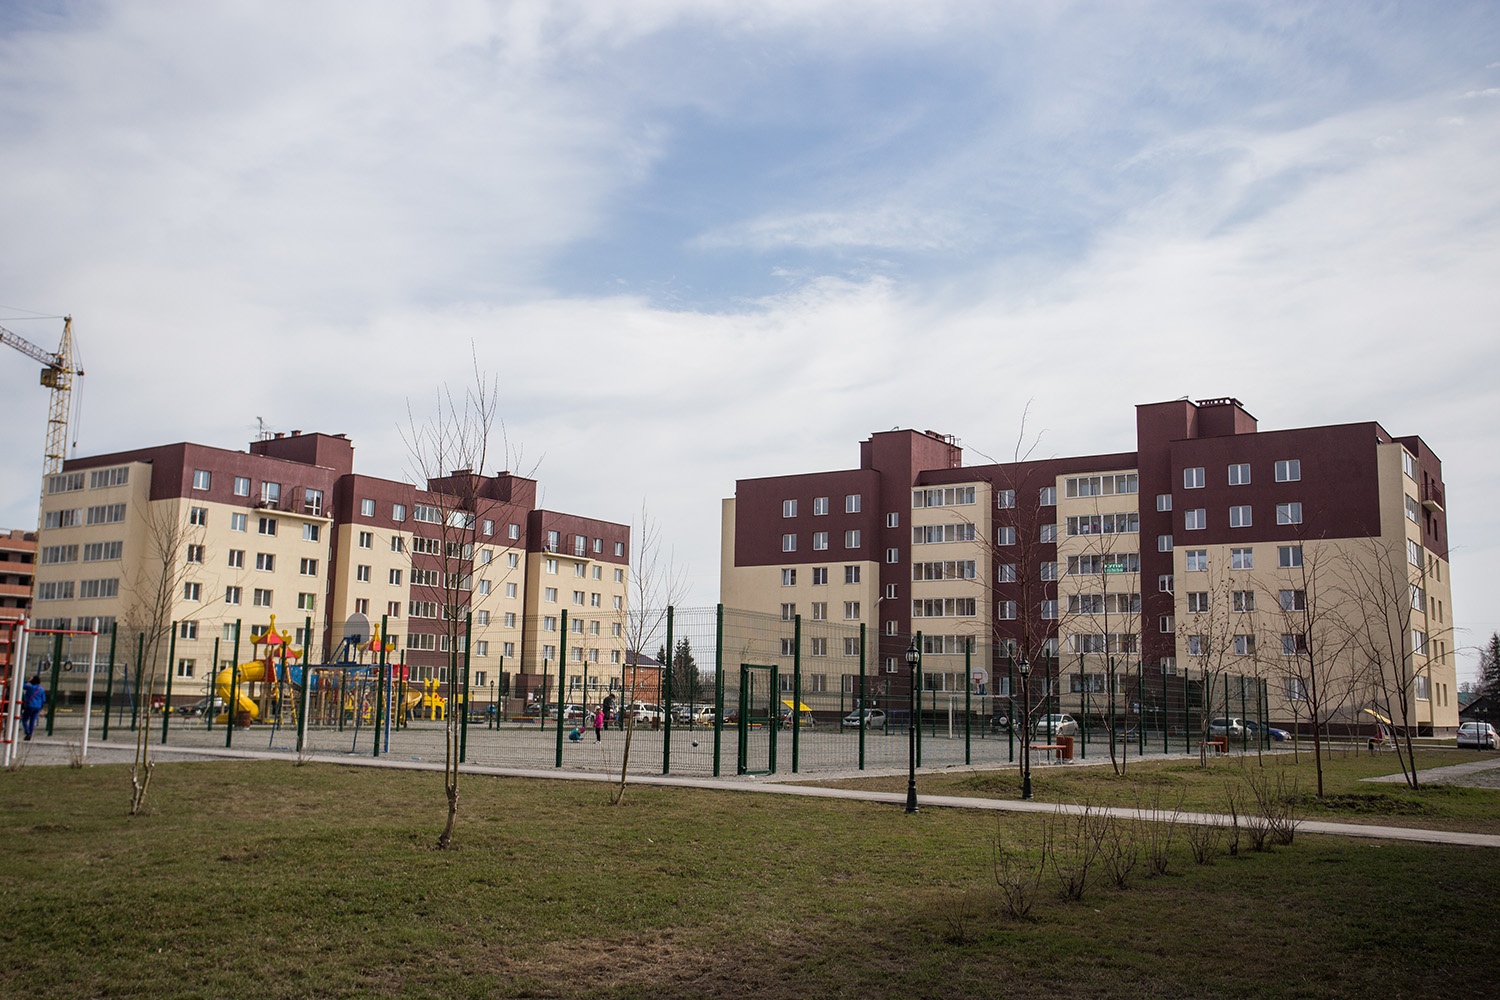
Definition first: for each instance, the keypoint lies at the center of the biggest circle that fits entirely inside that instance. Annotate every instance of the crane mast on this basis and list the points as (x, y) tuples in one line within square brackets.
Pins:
[(57, 376)]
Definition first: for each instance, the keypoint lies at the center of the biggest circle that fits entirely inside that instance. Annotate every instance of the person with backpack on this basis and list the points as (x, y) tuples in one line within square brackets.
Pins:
[(33, 697)]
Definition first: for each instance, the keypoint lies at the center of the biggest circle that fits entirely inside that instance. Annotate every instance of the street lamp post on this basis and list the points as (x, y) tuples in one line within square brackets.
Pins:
[(913, 661), (1024, 667)]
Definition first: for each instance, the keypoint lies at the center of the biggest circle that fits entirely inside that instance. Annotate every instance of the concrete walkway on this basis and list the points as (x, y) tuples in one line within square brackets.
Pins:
[(1475, 774), (52, 751)]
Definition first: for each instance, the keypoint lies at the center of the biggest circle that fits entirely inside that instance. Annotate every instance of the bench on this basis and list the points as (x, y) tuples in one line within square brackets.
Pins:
[(1056, 748), (1219, 743)]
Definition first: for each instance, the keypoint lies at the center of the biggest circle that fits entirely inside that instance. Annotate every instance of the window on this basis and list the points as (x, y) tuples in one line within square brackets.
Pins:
[(1005, 499), (1423, 688), (1242, 558), (893, 520), (619, 548), (890, 591), (394, 578), (312, 502), (788, 508), (481, 648), (392, 608), (1046, 533), (61, 554), (1293, 600), (1289, 513), (1242, 600), (102, 478), (201, 479), (187, 630), (1192, 479), (1413, 552), (578, 598), (268, 526), (362, 574), (261, 598), (239, 522), (1005, 535), (486, 557), (186, 665), (195, 553), (1099, 486), (851, 539), (1413, 510), (788, 612), (1164, 543), (1408, 464), (196, 516), (852, 503), (550, 567), (308, 567), (306, 602), (1244, 645), (819, 610), (1419, 642), (1005, 573), (1197, 560), (951, 496), (241, 486), (63, 517), (1289, 470), (851, 574), (1239, 516), (1418, 597), (484, 588), (232, 595), (312, 532), (820, 576), (398, 512), (1049, 610), (1163, 501), (1197, 645), (1195, 520), (1165, 583), (789, 543), (367, 539), (619, 576), (509, 621), (367, 508), (71, 482), (1047, 496), (265, 562), (549, 594), (1047, 571), (270, 493), (818, 647), (1239, 475), (101, 551), (1294, 688), (1293, 644), (820, 506), (99, 588), (510, 590), (820, 540), (1005, 610), (1197, 602), (789, 578), (192, 591), (58, 590), (1104, 524), (1288, 556), (892, 555)]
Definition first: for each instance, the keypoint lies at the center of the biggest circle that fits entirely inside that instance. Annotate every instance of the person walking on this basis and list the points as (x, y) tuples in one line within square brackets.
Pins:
[(599, 725), (33, 697)]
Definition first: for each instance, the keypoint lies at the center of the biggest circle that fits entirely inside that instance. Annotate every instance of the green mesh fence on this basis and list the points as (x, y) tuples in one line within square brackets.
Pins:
[(737, 692)]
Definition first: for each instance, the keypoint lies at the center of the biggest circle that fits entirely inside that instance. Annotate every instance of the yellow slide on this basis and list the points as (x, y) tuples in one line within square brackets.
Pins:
[(249, 673)]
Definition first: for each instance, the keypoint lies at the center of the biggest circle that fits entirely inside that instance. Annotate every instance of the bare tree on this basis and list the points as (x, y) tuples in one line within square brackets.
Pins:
[(1218, 633), (449, 453), (656, 583), (1313, 636), (158, 578)]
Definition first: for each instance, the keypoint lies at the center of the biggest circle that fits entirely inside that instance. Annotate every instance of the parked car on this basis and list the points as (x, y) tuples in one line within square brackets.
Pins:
[(703, 715), (647, 714), (1044, 726), (1278, 735), (1219, 728), (874, 719), (1479, 735), (213, 705), (568, 712)]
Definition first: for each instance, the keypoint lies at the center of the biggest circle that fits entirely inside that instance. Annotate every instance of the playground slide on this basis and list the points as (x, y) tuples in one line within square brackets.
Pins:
[(413, 700), (250, 672)]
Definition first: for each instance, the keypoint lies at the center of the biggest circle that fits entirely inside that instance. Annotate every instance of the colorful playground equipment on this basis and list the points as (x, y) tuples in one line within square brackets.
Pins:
[(269, 686)]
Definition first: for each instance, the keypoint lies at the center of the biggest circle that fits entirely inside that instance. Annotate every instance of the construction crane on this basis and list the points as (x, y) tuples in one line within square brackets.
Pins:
[(57, 376)]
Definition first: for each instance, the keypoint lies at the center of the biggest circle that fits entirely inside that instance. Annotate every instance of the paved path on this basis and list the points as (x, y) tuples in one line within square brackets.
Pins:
[(53, 751), (1474, 774)]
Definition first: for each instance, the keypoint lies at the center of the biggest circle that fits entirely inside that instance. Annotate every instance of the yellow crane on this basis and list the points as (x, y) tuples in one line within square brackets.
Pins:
[(57, 376)]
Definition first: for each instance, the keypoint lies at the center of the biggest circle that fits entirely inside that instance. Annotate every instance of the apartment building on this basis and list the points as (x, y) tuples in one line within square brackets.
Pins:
[(1262, 553), (17, 570), (210, 536)]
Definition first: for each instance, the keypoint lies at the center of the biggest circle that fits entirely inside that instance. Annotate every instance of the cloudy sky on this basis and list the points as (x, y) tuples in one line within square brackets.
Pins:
[(705, 241)]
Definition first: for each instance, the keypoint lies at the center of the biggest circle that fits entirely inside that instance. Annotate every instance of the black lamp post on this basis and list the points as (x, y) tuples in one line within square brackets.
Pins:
[(1024, 667), (913, 661)]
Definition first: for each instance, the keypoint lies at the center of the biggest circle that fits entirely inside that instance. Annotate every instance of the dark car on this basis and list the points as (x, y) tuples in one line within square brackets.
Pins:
[(212, 705), (1253, 730)]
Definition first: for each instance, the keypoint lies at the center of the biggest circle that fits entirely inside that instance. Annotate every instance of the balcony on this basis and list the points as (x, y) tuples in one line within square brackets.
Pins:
[(1432, 497)]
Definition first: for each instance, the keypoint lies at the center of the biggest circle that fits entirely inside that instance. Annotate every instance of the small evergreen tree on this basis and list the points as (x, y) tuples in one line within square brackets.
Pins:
[(1489, 666)]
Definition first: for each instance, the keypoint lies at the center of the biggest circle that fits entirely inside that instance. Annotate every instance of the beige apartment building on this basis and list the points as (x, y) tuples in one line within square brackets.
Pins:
[(1265, 572), (206, 538)]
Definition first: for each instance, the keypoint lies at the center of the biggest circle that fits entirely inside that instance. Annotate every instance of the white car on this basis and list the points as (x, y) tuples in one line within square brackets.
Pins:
[(874, 719), (1044, 726), (1479, 735), (647, 714)]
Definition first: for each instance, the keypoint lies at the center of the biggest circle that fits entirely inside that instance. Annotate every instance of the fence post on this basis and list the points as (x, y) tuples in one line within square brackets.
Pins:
[(968, 689), (861, 709), (718, 683), (109, 680), (166, 708), (796, 690), (666, 707)]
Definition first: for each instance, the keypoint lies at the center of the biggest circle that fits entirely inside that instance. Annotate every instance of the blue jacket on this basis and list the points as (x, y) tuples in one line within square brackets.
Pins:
[(33, 696)]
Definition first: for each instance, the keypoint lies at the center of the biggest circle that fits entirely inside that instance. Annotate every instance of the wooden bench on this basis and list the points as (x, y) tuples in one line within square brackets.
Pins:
[(1219, 743), (1056, 748)]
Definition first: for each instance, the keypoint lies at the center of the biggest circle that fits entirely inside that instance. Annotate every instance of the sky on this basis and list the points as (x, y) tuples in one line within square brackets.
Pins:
[(698, 242)]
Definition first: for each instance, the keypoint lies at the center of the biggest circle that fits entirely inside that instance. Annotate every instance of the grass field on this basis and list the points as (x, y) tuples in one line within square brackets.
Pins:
[(266, 879)]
